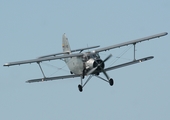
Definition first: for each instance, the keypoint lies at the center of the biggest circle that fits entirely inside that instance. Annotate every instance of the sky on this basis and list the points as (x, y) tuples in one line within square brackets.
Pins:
[(32, 28)]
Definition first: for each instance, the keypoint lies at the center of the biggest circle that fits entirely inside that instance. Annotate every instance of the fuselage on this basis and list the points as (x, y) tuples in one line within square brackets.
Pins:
[(87, 62), (75, 64), (83, 64)]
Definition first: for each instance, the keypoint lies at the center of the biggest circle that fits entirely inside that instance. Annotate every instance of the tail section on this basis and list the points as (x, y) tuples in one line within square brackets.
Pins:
[(65, 44)]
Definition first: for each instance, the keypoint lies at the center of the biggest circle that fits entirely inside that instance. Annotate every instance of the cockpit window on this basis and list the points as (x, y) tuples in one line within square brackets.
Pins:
[(97, 55), (90, 55)]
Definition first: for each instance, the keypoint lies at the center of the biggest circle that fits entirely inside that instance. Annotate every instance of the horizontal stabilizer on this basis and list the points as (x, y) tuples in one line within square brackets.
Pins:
[(129, 63), (52, 78)]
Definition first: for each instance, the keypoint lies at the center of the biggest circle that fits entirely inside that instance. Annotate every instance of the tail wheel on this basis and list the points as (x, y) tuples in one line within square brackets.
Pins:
[(80, 88), (111, 82)]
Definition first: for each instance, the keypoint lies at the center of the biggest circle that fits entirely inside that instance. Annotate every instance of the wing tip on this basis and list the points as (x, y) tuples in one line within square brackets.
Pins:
[(145, 59), (6, 64), (166, 33), (27, 81)]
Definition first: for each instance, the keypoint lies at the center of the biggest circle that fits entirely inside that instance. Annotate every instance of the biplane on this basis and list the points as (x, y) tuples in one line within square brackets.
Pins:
[(85, 64)]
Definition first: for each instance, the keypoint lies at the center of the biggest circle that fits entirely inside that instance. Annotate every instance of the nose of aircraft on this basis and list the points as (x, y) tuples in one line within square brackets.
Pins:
[(98, 63)]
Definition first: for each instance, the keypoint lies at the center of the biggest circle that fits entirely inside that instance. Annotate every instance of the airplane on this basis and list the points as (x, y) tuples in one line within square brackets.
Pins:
[(82, 64)]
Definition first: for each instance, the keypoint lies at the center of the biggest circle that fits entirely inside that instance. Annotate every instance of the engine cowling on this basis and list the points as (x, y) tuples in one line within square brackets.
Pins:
[(92, 63)]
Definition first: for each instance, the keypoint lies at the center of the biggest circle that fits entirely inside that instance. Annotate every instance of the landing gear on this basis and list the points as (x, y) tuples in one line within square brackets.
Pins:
[(84, 72), (80, 88), (111, 82)]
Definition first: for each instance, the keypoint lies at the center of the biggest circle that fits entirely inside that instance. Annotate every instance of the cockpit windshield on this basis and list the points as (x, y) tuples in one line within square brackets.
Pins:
[(91, 55), (95, 55)]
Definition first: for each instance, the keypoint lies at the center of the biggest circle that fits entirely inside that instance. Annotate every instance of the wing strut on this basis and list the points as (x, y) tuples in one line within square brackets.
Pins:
[(41, 70), (134, 51)]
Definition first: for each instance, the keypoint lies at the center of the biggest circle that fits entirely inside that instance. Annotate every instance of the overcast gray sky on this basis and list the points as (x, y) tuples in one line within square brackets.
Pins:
[(32, 28)]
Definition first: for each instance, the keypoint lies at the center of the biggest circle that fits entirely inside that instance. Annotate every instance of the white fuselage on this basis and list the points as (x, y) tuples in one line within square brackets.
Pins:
[(75, 64), (89, 61), (83, 64)]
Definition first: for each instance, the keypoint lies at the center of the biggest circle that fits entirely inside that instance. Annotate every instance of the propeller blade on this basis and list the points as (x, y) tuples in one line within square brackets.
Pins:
[(108, 57), (92, 70)]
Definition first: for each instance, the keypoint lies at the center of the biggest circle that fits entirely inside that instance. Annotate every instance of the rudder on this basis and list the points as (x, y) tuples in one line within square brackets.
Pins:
[(65, 44)]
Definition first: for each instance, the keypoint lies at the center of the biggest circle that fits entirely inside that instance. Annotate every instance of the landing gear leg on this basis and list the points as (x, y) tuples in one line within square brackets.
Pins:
[(80, 87), (110, 81), (84, 71)]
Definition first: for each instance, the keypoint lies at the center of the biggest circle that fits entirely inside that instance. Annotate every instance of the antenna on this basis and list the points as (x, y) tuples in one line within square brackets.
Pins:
[(87, 47)]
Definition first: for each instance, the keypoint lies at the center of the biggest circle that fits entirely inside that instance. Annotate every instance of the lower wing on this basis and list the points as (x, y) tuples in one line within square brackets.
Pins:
[(52, 78), (129, 63), (107, 69)]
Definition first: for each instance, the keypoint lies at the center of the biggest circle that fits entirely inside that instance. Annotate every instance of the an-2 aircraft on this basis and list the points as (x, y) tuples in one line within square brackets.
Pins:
[(87, 63)]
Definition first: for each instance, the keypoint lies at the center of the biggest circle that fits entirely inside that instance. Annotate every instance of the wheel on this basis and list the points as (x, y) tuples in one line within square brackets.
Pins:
[(111, 82), (80, 88)]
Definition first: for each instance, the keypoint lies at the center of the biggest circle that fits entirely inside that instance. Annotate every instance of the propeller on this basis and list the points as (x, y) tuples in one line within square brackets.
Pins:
[(108, 57), (99, 65), (92, 70)]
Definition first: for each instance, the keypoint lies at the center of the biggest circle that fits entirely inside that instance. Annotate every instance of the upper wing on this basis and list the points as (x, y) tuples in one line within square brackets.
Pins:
[(52, 55), (43, 59), (131, 42), (52, 78), (81, 49)]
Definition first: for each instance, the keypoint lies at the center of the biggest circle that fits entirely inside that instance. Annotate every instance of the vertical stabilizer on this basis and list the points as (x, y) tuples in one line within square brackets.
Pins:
[(65, 44)]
